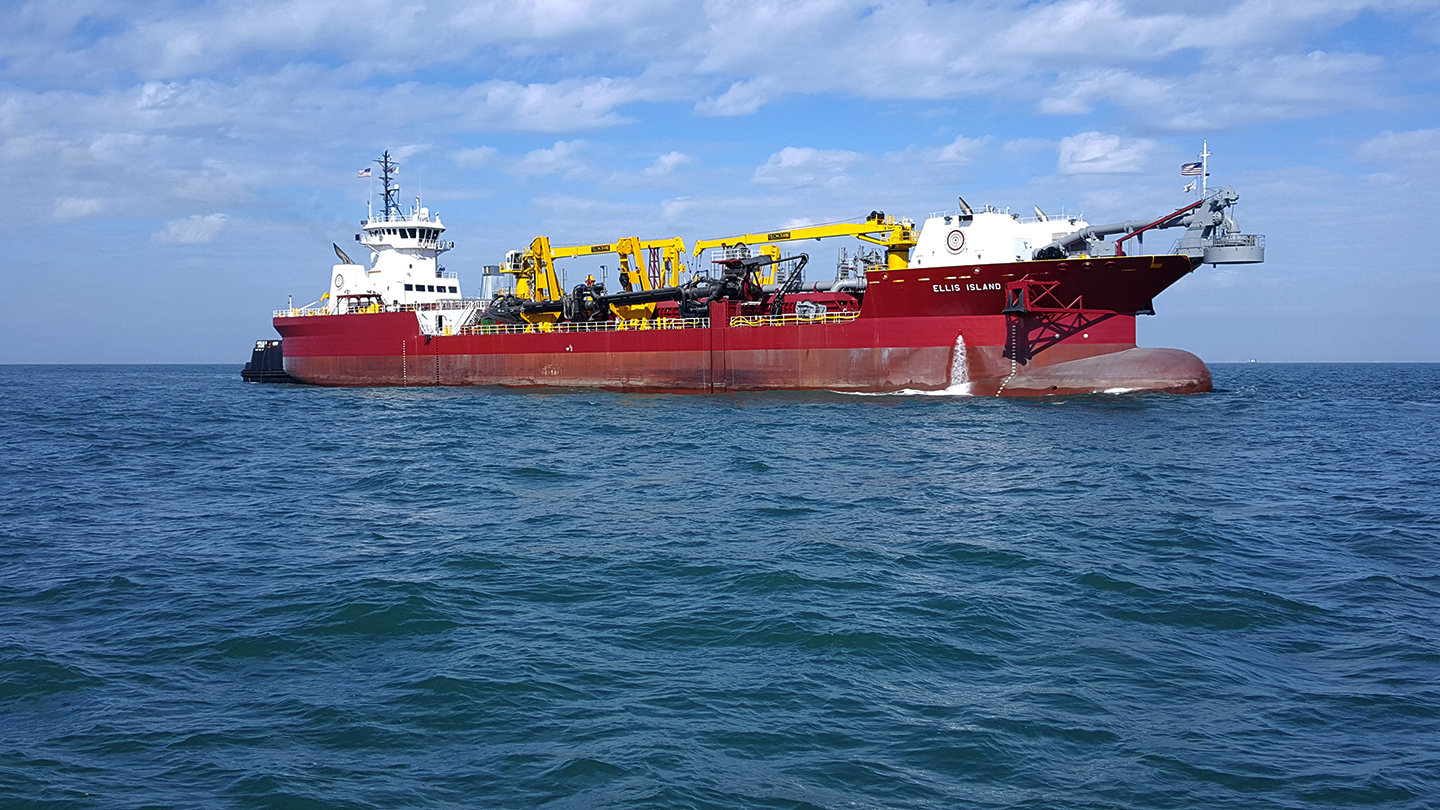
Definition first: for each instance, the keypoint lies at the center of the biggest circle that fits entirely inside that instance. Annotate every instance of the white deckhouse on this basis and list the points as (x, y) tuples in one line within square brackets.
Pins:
[(405, 248)]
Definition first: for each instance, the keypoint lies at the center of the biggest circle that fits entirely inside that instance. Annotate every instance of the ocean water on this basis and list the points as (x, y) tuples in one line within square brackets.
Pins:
[(215, 594)]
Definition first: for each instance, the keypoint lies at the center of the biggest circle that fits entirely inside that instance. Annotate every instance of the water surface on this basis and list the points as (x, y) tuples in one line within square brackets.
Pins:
[(227, 595)]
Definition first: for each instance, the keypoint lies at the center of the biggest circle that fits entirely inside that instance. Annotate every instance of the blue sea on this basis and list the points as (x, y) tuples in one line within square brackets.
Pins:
[(222, 595)]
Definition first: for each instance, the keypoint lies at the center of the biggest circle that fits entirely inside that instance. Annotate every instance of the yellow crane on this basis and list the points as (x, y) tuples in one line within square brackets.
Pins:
[(534, 268), (665, 262), (897, 236), (536, 280)]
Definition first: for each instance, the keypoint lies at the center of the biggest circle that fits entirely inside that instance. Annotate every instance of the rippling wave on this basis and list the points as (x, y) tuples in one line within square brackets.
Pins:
[(221, 595)]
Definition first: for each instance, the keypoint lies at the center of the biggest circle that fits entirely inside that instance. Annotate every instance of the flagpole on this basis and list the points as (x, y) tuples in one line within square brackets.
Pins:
[(1204, 168)]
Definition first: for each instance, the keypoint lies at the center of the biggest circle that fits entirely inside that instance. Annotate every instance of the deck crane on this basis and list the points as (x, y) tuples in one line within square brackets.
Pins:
[(665, 263), (897, 236), (536, 279), (664, 267), (534, 267)]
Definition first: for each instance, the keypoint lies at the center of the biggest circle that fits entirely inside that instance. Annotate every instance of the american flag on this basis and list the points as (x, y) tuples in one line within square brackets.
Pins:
[(1191, 169), (364, 172)]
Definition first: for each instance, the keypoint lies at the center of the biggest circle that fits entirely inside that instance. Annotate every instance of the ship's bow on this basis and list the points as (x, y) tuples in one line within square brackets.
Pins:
[(1138, 370)]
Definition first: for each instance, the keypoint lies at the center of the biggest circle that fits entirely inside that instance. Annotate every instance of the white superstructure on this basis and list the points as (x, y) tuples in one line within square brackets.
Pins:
[(963, 236), (404, 268)]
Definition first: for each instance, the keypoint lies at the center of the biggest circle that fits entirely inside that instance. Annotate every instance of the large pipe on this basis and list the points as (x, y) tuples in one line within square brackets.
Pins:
[(703, 288), (642, 296), (1099, 231), (1183, 218), (833, 285), (700, 291)]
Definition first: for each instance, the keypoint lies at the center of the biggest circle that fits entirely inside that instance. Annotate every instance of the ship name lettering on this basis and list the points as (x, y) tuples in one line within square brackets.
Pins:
[(942, 288)]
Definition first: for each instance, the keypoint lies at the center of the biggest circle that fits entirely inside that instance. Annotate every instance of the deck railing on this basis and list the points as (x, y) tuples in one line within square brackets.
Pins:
[(622, 325), (793, 319), (429, 306), (597, 326)]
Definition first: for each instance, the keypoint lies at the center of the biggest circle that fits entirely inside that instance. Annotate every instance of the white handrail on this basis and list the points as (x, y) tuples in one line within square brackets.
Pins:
[(793, 319)]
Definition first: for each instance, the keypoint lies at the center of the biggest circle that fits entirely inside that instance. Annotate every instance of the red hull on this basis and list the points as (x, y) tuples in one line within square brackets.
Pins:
[(912, 327)]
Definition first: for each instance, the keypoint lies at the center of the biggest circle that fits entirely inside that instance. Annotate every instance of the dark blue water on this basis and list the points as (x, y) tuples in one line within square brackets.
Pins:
[(215, 594)]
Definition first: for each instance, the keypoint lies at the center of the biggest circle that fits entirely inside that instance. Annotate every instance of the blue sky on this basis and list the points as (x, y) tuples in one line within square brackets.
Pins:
[(175, 170)]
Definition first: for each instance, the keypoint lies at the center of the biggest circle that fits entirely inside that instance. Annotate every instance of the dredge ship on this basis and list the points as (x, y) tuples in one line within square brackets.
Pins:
[(980, 302)]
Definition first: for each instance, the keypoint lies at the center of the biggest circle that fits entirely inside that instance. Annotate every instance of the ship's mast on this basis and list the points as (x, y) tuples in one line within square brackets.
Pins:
[(388, 169), (1204, 167)]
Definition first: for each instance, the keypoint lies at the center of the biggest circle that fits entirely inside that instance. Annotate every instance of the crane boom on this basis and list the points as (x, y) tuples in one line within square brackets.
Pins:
[(897, 236)]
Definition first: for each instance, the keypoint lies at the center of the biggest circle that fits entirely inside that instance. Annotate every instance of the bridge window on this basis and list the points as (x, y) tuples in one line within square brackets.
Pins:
[(409, 287)]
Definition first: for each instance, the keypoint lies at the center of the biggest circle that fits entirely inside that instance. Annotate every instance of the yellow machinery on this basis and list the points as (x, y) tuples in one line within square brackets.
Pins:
[(664, 264), (662, 270), (536, 279), (767, 276), (896, 236)]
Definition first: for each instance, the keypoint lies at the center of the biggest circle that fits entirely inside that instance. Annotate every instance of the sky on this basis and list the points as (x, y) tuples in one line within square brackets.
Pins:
[(178, 170)]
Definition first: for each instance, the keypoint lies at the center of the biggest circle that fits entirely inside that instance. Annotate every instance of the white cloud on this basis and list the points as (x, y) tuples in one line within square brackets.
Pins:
[(582, 65), (1240, 89), (1078, 93), (674, 208), (157, 95), (215, 181), (1050, 53), (1021, 146), (407, 151), (962, 150), (193, 230), (75, 207), (1280, 87), (475, 158), (560, 158), (1094, 153), (1421, 146), (743, 98), (667, 163), (1278, 23), (805, 166), (564, 106)]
